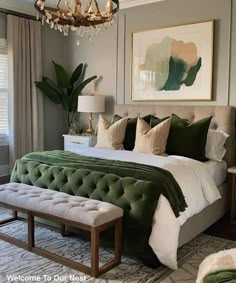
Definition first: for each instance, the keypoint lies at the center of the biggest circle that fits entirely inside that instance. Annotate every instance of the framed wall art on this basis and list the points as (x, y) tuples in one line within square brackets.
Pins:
[(173, 63)]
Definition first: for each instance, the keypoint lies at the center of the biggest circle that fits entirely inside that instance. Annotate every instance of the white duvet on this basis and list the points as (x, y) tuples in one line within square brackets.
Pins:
[(195, 182)]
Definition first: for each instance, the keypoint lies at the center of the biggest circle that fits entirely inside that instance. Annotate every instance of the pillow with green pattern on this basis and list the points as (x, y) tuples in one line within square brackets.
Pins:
[(130, 132), (187, 139)]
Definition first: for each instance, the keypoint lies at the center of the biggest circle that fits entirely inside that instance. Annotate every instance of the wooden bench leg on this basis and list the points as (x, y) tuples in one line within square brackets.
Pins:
[(63, 230), (95, 235), (10, 219), (14, 214), (118, 240), (31, 231)]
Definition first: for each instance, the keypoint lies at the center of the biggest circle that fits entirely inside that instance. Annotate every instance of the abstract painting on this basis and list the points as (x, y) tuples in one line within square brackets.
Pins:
[(173, 63)]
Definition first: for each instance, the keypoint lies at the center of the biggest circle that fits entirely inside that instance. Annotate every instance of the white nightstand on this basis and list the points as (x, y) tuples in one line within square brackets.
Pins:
[(71, 143)]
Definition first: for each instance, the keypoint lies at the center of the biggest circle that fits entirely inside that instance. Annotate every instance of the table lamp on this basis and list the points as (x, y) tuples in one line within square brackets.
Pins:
[(91, 104)]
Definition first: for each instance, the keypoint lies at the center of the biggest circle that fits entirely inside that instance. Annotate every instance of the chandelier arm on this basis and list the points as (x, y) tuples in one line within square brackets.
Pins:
[(88, 6), (68, 6), (77, 10), (58, 4), (96, 3)]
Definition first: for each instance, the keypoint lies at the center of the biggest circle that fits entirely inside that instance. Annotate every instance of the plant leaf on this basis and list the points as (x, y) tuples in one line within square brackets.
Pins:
[(62, 76), (76, 74), (48, 91), (60, 92), (74, 97)]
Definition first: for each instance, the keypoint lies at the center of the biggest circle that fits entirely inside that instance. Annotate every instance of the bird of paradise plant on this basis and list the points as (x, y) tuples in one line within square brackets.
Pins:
[(66, 90)]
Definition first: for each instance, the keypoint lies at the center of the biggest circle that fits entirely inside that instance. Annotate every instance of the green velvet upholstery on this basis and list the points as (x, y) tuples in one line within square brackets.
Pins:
[(188, 139), (130, 132), (163, 179), (226, 276), (156, 121)]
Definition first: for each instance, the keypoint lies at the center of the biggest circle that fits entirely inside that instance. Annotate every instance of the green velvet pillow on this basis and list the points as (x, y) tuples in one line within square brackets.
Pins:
[(188, 139), (130, 132), (156, 121)]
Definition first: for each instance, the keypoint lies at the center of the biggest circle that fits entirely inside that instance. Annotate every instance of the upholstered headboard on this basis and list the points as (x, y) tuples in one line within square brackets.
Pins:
[(223, 118)]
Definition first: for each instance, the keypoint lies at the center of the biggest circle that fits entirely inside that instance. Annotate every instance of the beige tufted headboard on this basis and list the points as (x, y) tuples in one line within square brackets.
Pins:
[(223, 118)]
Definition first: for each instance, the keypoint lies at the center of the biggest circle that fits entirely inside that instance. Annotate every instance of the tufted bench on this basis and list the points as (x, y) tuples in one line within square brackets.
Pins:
[(87, 214)]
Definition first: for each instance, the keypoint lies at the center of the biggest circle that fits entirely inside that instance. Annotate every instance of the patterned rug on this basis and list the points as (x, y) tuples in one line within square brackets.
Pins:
[(18, 265)]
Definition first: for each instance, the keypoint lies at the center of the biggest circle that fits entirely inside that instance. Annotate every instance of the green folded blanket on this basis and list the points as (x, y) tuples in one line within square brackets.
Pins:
[(163, 179), (228, 276)]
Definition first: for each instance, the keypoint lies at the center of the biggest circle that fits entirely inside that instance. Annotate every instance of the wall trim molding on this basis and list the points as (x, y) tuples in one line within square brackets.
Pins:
[(124, 4), (4, 170)]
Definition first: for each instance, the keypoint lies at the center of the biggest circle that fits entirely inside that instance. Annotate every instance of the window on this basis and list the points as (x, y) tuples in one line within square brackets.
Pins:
[(3, 90)]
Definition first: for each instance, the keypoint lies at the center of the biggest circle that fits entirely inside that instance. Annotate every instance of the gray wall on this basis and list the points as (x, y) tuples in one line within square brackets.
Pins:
[(54, 48), (100, 55), (172, 12), (110, 54)]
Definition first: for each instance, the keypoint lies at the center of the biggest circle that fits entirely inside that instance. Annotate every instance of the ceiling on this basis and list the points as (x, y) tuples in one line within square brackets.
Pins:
[(26, 6)]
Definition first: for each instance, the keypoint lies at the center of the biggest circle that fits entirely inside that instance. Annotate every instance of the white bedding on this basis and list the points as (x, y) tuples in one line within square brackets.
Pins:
[(196, 182), (218, 170)]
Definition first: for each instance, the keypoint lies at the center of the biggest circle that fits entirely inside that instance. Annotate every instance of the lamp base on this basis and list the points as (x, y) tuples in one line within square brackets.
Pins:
[(90, 130)]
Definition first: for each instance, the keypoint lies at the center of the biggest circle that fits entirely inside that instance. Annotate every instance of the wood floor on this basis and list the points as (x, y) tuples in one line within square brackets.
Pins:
[(223, 229)]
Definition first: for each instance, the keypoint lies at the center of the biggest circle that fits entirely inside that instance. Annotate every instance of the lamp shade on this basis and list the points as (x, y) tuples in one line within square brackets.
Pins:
[(91, 103)]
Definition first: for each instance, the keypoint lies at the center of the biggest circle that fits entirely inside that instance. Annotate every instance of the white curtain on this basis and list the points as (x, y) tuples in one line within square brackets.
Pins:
[(25, 102)]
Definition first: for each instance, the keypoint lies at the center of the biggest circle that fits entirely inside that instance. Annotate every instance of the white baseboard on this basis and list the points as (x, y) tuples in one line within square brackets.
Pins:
[(4, 170)]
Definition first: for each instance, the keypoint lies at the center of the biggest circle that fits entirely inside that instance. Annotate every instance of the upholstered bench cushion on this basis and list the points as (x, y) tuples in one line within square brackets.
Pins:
[(86, 211)]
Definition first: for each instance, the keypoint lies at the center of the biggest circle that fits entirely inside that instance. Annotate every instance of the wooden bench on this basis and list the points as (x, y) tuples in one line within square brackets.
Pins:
[(87, 214)]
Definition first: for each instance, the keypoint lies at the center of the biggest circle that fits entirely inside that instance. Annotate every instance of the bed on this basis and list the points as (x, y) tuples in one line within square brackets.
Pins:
[(223, 119)]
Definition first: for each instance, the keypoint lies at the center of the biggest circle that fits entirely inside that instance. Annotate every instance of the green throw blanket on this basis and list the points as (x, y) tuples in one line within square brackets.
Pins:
[(226, 276), (163, 178), (134, 187)]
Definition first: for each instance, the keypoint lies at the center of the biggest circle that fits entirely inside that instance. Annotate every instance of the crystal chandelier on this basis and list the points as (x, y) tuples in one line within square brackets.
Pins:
[(82, 16)]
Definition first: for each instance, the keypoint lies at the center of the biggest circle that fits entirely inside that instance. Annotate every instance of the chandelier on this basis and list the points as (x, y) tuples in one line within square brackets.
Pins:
[(82, 16)]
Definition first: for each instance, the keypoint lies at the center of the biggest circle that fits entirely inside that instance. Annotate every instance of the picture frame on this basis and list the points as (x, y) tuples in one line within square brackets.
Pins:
[(173, 63)]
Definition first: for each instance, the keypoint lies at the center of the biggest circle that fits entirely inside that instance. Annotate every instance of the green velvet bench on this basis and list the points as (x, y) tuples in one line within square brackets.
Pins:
[(87, 214)]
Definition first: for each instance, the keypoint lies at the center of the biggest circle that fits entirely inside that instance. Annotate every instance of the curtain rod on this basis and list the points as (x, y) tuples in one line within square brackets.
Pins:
[(14, 13)]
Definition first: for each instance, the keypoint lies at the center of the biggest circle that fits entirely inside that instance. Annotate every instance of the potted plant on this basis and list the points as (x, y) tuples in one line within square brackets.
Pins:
[(66, 90)]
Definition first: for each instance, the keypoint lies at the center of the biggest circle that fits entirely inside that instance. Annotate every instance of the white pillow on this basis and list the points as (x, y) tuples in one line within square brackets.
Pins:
[(215, 149)]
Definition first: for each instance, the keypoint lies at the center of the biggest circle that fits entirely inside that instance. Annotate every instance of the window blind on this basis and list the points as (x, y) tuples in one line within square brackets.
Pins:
[(3, 88)]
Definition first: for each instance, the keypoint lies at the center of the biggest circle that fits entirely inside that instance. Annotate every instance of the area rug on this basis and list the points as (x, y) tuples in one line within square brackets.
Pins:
[(18, 265)]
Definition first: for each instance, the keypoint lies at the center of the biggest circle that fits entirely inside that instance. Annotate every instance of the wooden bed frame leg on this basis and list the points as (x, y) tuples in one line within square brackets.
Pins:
[(95, 235), (31, 231)]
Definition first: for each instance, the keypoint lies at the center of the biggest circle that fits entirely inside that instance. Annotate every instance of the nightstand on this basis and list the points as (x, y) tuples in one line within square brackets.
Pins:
[(72, 143), (232, 170)]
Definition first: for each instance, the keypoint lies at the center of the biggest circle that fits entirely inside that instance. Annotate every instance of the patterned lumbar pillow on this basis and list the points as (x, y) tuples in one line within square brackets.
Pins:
[(151, 140), (111, 136)]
